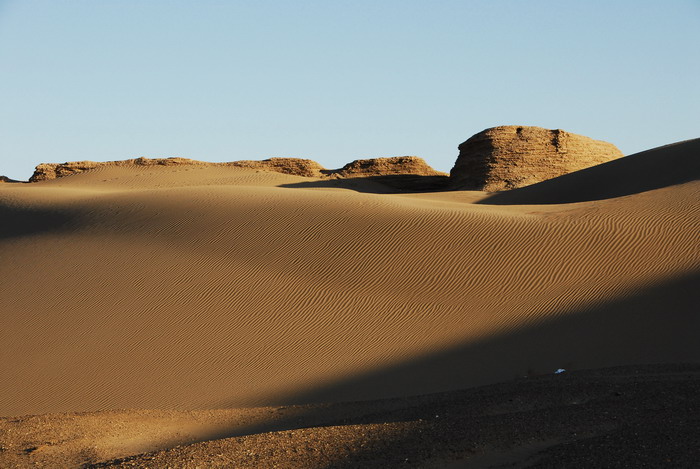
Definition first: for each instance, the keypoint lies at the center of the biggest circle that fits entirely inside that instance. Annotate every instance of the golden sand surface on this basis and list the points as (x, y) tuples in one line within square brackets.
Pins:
[(188, 288)]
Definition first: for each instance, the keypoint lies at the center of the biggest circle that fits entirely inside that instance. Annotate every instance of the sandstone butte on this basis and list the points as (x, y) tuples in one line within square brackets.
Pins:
[(508, 157), (409, 165)]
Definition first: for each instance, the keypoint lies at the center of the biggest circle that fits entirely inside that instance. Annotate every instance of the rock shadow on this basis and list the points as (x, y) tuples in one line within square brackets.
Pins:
[(390, 184)]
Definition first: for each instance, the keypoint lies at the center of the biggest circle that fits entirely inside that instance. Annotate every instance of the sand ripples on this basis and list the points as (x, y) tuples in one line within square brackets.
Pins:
[(202, 294)]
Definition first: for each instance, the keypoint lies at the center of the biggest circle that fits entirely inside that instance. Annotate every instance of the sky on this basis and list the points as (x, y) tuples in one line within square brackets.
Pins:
[(336, 81)]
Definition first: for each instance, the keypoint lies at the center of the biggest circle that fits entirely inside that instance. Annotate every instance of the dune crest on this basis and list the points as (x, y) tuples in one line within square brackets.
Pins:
[(388, 166)]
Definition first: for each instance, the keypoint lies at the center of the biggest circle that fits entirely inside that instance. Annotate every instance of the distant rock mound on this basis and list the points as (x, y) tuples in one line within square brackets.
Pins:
[(399, 165), (294, 166), (46, 171), (6, 179), (412, 165), (508, 157)]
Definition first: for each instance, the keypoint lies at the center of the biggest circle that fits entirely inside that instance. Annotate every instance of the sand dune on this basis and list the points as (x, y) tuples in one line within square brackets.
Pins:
[(200, 287)]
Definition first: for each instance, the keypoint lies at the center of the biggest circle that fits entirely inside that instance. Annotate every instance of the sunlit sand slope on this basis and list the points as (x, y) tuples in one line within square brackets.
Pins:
[(199, 287)]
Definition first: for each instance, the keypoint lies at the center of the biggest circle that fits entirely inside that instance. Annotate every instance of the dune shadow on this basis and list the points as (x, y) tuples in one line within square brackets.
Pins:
[(26, 221), (391, 184), (657, 325), (653, 169), (655, 328)]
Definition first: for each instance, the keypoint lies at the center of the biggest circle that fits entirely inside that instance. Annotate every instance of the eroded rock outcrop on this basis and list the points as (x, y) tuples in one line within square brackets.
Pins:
[(294, 166), (507, 157), (408, 165), (412, 165), (46, 171)]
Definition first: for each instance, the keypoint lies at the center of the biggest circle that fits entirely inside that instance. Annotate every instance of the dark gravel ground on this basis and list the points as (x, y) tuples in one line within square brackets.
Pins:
[(628, 417)]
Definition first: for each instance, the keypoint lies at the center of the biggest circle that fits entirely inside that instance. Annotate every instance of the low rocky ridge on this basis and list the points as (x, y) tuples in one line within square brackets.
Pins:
[(388, 166), (495, 159), (294, 166), (47, 171), (406, 165), (6, 179), (507, 157)]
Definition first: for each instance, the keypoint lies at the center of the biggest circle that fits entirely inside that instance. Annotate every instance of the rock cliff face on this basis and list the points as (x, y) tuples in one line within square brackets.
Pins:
[(409, 165), (507, 157)]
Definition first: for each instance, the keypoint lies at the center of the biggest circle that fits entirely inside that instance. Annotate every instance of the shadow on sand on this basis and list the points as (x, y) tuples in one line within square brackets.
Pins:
[(393, 184), (656, 325), (18, 221)]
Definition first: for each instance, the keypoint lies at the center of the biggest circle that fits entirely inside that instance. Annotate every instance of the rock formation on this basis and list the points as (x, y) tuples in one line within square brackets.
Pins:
[(6, 179), (412, 165), (406, 165), (507, 157), (294, 166), (47, 171)]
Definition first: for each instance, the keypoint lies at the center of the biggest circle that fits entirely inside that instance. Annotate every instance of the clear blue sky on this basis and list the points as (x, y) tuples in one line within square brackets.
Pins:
[(336, 80)]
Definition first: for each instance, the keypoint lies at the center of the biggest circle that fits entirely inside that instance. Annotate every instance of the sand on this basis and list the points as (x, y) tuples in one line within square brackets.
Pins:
[(180, 289)]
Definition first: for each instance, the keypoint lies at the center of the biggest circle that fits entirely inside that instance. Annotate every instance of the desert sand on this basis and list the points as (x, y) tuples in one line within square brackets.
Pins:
[(284, 301)]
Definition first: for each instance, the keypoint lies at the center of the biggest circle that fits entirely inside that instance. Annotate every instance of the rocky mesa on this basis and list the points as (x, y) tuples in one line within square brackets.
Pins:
[(508, 157)]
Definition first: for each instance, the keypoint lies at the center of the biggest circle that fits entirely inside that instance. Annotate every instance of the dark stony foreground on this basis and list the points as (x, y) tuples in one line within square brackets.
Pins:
[(646, 416)]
